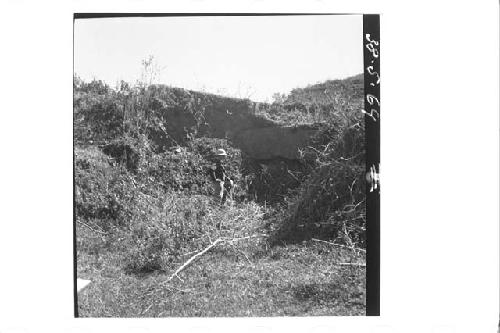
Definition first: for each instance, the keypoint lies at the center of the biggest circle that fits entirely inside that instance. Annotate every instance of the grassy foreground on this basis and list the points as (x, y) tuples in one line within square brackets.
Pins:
[(242, 278)]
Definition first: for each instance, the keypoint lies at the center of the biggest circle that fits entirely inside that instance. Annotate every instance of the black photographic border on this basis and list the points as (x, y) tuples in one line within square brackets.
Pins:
[(371, 57)]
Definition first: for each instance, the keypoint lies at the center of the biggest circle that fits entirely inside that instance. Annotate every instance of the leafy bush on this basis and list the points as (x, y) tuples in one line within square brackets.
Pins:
[(95, 198), (158, 238), (124, 153), (98, 117), (106, 192)]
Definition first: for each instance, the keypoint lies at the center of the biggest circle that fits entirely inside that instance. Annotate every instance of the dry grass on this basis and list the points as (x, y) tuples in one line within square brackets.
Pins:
[(248, 279)]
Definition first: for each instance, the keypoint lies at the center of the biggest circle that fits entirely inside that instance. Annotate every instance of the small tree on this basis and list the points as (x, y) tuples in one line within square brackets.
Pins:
[(151, 72)]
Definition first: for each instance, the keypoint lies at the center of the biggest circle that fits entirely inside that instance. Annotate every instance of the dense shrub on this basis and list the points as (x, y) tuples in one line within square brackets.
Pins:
[(183, 224), (106, 192), (100, 113), (98, 187), (124, 153), (330, 203), (159, 237), (157, 213)]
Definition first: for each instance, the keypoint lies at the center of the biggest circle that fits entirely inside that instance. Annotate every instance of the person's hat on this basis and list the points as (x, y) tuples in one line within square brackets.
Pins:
[(220, 152)]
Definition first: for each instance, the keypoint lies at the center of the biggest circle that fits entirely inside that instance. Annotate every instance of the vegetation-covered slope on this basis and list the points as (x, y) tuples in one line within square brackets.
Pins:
[(144, 203), (329, 203)]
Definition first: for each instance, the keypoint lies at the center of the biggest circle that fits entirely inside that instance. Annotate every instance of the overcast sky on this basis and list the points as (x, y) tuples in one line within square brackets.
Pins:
[(238, 56)]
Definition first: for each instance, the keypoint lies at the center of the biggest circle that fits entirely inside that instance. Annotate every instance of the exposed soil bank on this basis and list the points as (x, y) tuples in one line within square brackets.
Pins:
[(275, 142), (188, 114)]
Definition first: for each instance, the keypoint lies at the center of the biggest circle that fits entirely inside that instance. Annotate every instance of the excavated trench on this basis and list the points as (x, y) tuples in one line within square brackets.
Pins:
[(271, 159), (270, 151)]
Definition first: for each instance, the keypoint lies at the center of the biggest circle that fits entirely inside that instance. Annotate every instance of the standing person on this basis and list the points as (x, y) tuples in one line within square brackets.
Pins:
[(220, 177)]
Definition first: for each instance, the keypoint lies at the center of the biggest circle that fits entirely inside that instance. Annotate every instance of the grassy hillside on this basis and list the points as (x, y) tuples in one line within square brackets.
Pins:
[(337, 93), (290, 243), (317, 103)]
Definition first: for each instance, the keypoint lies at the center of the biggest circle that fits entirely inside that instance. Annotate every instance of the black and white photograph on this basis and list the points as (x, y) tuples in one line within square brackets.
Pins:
[(249, 166), (220, 165)]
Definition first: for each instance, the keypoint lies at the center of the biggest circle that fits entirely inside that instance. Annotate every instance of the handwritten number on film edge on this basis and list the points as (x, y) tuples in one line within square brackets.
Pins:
[(372, 72), (371, 46), (372, 114), (372, 176), (370, 98)]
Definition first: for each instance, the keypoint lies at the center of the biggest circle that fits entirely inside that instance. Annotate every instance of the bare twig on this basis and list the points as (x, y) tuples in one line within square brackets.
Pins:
[(190, 260), (94, 230), (349, 158), (147, 309), (311, 147), (350, 190), (327, 146), (291, 174), (186, 254), (339, 245), (352, 264), (177, 276), (353, 207), (346, 234)]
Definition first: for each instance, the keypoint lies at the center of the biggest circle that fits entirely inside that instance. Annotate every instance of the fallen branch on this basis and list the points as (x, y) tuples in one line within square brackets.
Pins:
[(190, 260), (205, 250), (339, 245)]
